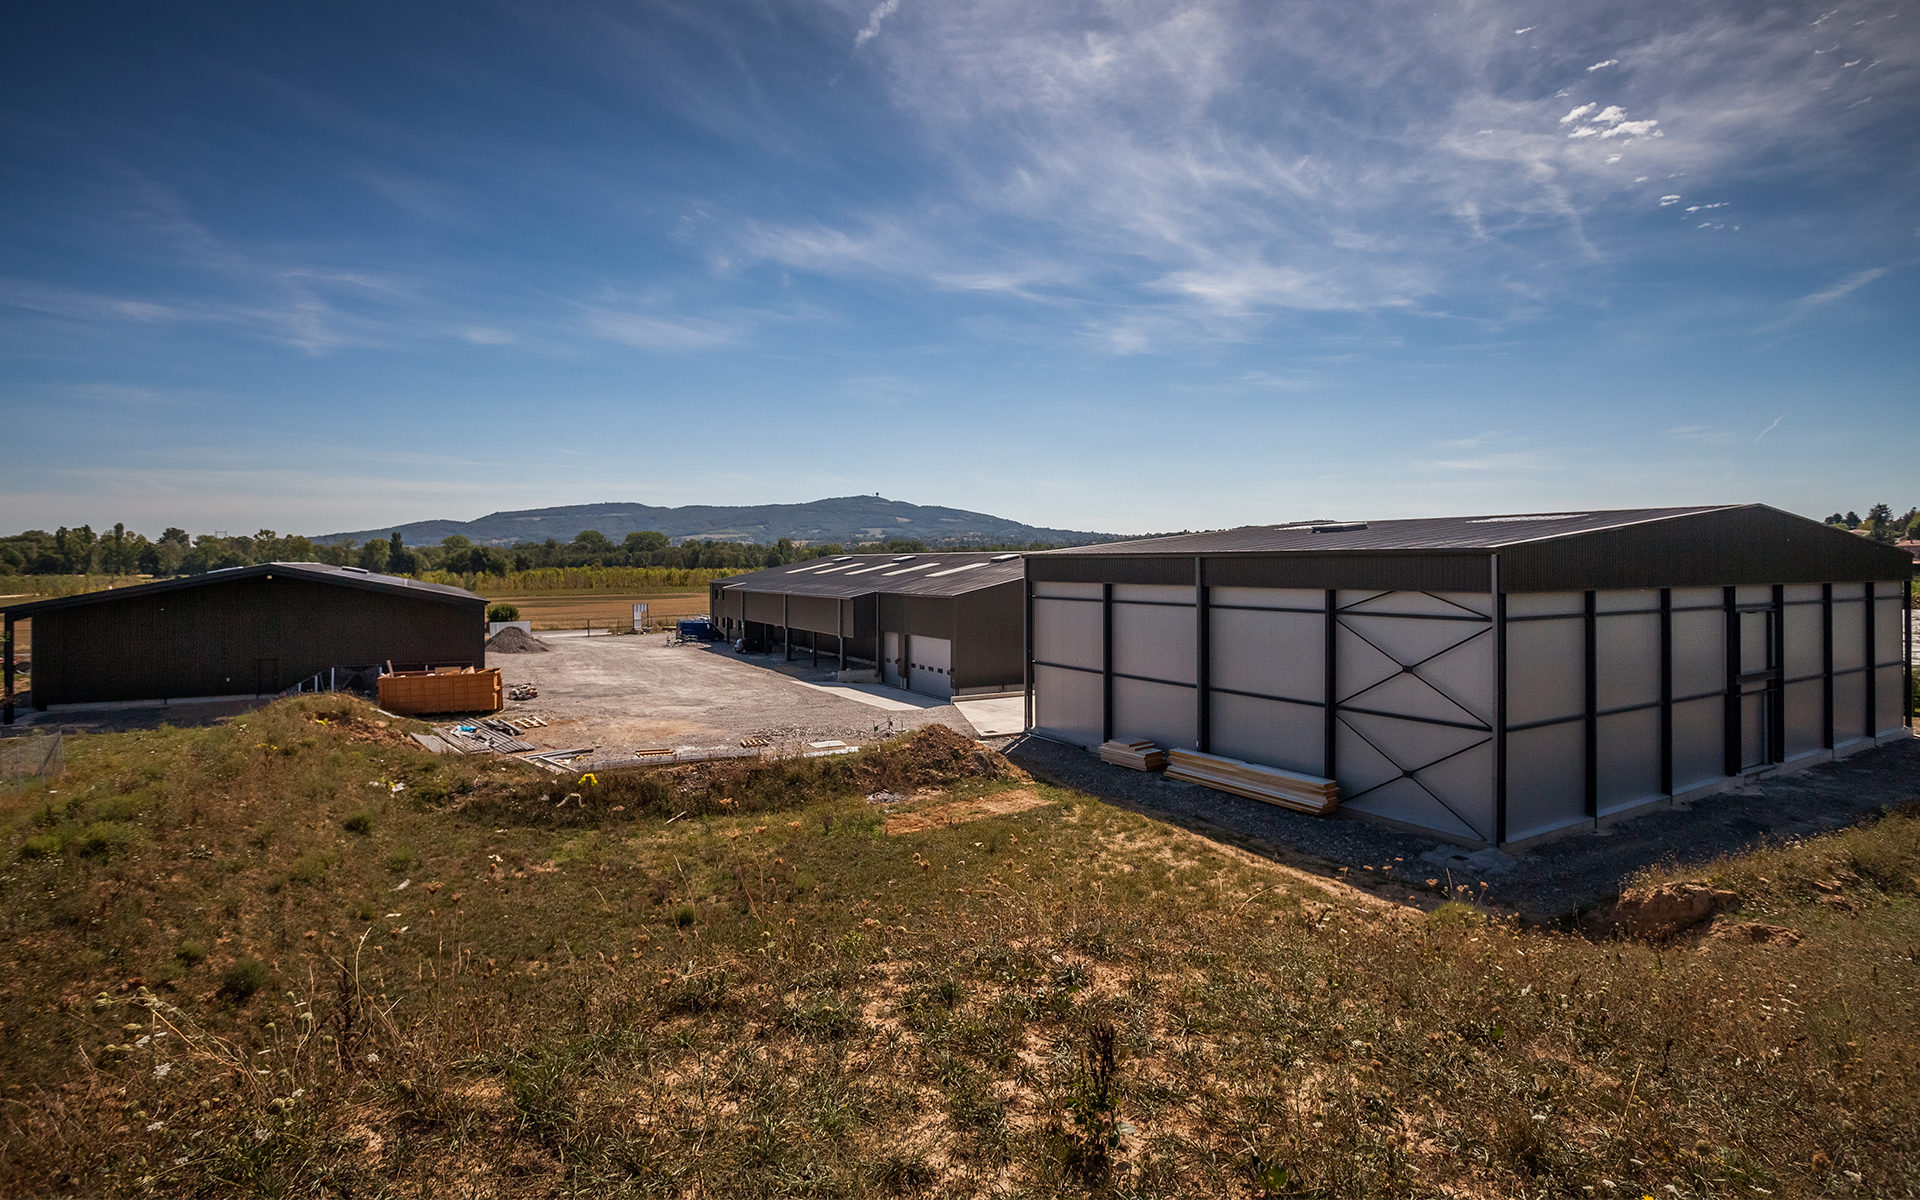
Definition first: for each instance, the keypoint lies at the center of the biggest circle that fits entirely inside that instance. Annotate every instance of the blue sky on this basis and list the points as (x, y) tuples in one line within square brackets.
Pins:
[(1125, 266)]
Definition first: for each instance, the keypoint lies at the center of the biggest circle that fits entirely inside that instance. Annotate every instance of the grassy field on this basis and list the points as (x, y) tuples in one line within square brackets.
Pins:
[(295, 956), (574, 610)]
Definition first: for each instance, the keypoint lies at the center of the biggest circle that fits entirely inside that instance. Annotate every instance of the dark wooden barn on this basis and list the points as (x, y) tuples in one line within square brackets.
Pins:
[(247, 631)]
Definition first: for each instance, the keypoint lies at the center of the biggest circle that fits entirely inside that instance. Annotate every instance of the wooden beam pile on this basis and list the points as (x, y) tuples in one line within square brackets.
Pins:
[(1141, 755), (1288, 789)]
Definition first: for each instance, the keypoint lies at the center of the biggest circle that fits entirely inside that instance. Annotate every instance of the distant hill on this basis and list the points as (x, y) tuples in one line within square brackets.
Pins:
[(843, 519)]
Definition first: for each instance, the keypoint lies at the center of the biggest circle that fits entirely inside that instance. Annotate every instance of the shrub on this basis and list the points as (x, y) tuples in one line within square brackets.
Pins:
[(401, 858), (45, 845), (102, 839), (503, 612), (191, 954), (241, 980), (359, 822)]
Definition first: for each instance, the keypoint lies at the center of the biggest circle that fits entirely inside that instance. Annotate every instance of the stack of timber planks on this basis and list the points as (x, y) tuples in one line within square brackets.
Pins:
[(1288, 789), (1141, 755)]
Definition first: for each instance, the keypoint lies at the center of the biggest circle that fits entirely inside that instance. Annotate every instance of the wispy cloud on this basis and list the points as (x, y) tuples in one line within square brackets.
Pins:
[(1841, 290), (1775, 424), (650, 331), (871, 30)]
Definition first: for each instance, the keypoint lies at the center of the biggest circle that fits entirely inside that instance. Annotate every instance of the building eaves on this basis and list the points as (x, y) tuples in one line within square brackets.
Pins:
[(895, 574)]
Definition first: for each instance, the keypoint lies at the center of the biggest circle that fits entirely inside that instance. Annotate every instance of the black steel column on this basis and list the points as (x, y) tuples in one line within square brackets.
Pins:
[(1666, 691), (1328, 763), (840, 630), (1826, 665), (1590, 719), (786, 628), (1027, 633), (1499, 706), (1203, 660), (1106, 662), (6, 697), (1906, 641), (1730, 733), (1777, 689), (1866, 626)]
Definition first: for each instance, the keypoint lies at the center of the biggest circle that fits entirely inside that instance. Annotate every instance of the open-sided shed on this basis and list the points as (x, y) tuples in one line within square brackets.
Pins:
[(246, 631), (942, 624), (1490, 679)]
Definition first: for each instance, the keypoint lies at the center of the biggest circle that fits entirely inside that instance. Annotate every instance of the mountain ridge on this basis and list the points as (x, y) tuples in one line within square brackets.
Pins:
[(844, 519)]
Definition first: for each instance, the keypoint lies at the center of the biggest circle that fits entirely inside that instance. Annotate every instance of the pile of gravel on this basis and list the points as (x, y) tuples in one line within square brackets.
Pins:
[(515, 640)]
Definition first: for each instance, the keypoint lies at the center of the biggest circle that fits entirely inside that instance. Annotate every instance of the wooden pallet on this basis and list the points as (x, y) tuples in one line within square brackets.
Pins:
[(1140, 755), (1288, 789)]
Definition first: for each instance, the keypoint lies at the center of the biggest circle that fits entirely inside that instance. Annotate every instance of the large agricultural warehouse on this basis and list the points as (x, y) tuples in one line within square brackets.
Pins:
[(941, 624), (247, 631), (1489, 679)]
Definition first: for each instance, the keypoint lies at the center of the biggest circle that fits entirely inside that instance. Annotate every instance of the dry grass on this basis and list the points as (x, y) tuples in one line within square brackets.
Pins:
[(468, 987)]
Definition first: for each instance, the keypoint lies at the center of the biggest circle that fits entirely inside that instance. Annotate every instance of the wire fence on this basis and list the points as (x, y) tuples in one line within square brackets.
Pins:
[(37, 754)]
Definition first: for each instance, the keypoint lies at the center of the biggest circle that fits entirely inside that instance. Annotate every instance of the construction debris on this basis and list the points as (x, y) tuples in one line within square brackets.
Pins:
[(1141, 755), (1288, 789), (523, 691)]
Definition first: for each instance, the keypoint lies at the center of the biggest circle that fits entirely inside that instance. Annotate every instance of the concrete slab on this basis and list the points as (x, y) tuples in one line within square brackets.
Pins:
[(876, 695), (998, 717)]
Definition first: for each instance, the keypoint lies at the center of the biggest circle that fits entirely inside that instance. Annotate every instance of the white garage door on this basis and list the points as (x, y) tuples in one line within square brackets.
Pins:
[(930, 666)]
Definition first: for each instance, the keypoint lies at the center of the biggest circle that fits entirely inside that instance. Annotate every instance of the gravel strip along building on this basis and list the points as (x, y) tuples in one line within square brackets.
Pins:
[(940, 624), (1492, 680), (248, 631)]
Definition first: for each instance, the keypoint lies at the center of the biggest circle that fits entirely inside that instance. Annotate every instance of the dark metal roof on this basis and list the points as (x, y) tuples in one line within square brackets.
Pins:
[(900, 574), (1624, 548), (319, 572), (1424, 534)]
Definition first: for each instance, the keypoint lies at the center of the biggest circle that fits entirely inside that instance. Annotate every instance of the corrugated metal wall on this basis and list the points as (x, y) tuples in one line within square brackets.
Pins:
[(245, 636)]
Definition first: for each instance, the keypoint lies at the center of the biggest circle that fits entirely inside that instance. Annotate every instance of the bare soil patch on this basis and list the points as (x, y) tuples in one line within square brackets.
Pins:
[(959, 812)]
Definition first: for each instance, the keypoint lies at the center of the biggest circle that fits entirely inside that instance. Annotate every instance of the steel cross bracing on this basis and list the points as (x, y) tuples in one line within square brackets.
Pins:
[(1412, 670)]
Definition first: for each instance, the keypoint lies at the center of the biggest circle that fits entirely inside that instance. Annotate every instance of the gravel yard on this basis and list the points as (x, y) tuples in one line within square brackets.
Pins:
[(1551, 880), (620, 694)]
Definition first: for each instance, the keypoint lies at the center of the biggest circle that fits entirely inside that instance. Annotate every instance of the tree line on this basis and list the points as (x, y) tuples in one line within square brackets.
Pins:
[(120, 551), (1880, 524)]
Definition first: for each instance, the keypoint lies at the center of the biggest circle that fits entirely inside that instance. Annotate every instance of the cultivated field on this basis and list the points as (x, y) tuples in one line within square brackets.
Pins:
[(295, 955), (602, 610)]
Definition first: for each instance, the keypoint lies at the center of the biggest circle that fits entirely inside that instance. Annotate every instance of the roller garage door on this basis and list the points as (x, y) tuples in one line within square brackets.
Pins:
[(930, 666)]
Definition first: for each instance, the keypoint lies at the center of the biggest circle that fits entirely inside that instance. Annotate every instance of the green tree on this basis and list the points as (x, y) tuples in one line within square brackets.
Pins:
[(399, 560), (1878, 519), (373, 555)]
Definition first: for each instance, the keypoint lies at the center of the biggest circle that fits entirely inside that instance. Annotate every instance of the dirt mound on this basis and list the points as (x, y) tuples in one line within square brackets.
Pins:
[(1660, 911), (959, 812), (515, 640)]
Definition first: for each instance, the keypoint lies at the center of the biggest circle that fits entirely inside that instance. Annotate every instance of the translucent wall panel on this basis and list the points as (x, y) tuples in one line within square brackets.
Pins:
[(1438, 604), (1753, 594), (1802, 591), (1546, 670), (1627, 661), (1891, 693), (1889, 627), (1753, 730), (1155, 641), (1465, 674), (1277, 653), (1153, 710), (1849, 708), (1269, 732), (1066, 632), (1154, 593), (1627, 600), (1356, 665), (1067, 705), (1406, 801), (1849, 628), (1756, 650), (1629, 772), (1805, 729), (1269, 597), (1699, 754), (1699, 652), (1546, 779), (1803, 640), (1083, 591), (1532, 604), (1698, 598), (1432, 754)]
